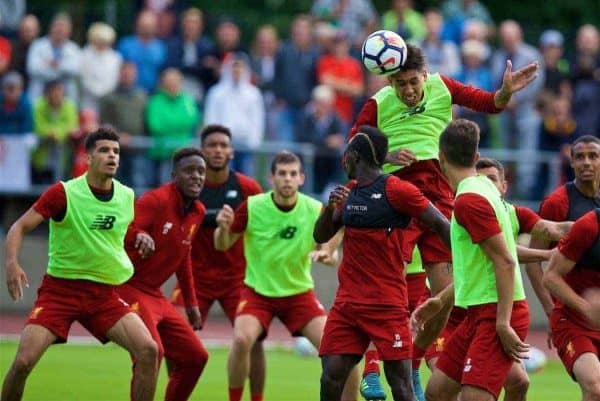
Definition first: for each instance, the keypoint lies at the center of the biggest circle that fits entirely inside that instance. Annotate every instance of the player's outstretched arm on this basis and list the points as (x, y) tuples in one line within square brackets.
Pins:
[(223, 237), (431, 307), (514, 81), (496, 250), (551, 230), (15, 276), (529, 255), (433, 218)]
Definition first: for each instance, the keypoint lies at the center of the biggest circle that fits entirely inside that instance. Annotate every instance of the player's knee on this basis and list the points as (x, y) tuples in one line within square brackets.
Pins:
[(591, 389), (23, 364), (517, 384), (242, 342), (148, 352), (331, 382)]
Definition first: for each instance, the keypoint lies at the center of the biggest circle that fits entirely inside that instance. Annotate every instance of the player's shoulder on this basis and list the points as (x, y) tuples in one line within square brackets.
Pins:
[(248, 184), (555, 203)]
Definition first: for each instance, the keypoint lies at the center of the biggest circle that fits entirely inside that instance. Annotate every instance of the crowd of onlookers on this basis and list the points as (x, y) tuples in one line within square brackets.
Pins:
[(167, 79)]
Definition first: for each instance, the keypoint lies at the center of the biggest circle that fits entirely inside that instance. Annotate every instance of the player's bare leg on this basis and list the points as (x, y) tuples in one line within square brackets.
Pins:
[(336, 372), (516, 383), (441, 387), (246, 331), (471, 393), (257, 368), (314, 332), (586, 370), (398, 375), (35, 340), (131, 333)]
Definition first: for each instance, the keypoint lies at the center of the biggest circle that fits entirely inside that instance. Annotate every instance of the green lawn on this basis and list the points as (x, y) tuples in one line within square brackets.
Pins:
[(89, 372)]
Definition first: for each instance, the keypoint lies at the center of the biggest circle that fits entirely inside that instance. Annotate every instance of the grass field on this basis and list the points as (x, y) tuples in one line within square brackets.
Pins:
[(89, 372)]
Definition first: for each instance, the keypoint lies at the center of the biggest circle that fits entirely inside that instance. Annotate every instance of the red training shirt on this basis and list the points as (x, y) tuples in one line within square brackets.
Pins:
[(372, 270), (555, 207), (161, 214), (210, 265), (573, 246)]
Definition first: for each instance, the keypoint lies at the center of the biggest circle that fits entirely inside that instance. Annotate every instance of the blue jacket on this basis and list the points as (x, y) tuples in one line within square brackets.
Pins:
[(19, 120)]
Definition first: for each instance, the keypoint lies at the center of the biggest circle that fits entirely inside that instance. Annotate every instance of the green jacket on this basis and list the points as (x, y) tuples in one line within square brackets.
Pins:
[(46, 121), (171, 122), (414, 23)]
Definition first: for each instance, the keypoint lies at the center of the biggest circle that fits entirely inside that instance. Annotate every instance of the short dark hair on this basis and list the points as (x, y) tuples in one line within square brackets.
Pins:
[(103, 132), (48, 86), (584, 139), (185, 152), (285, 157), (459, 142), (211, 129), (415, 59), (486, 162), (371, 144)]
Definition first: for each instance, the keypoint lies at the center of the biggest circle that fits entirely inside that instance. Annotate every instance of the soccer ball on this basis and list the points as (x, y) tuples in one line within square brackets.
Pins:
[(304, 347), (536, 362), (384, 52)]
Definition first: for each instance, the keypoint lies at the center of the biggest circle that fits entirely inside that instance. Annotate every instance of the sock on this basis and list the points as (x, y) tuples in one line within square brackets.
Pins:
[(371, 362), (418, 354), (235, 394), (256, 397)]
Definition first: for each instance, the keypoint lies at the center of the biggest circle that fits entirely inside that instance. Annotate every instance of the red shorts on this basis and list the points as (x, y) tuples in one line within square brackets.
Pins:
[(457, 315), (173, 334), (228, 296), (572, 340), (474, 355), (295, 311), (428, 177), (418, 292), (60, 302), (350, 328)]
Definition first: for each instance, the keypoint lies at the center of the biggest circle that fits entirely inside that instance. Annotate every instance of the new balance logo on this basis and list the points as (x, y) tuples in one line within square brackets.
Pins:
[(232, 193), (103, 222), (376, 196)]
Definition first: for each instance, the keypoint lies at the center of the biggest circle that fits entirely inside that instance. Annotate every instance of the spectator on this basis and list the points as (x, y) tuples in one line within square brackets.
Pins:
[(357, 18), (54, 117), (324, 35), (124, 109), (29, 30), (458, 12), (146, 51), (245, 117), (556, 68), (343, 74), (475, 73), (15, 108), (54, 57), (441, 55), (5, 55), (88, 123), (477, 30), (264, 51), (519, 122), (193, 54), (172, 117), (585, 78), (295, 76), (321, 126), (405, 21), (100, 65), (11, 11), (228, 36), (557, 130)]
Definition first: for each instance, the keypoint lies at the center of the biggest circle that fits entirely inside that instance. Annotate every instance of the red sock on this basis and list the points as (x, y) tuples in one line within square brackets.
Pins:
[(371, 362), (418, 354), (256, 397), (235, 394)]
